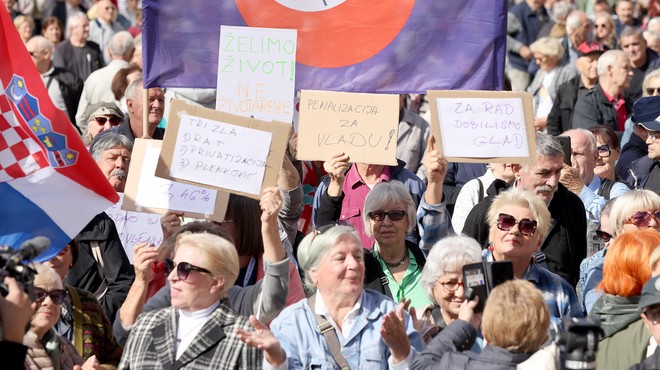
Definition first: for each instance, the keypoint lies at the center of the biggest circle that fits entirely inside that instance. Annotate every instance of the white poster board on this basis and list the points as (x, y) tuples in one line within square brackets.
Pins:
[(256, 72)]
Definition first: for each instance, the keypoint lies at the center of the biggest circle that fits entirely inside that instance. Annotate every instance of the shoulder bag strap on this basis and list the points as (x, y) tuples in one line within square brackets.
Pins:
[(328, 331), (76, 305), (100, 265)]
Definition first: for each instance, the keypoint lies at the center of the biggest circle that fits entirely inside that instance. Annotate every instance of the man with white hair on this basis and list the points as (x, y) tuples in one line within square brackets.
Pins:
[(98, 86), (604, 104), (578, 28), (104, 26), (112, 153), (78, 54), (64, 88)]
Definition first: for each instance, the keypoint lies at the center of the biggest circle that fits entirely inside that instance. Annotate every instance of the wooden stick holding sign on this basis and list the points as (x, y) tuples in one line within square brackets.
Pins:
[(483, 126), (364, 126), (222, 151)]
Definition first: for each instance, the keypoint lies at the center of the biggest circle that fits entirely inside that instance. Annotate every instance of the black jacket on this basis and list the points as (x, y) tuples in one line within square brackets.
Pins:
[(639, 172), (71, 88), (634, 149), (650, 363), (594, 109), (560, 117), (565, 246), (64, 57), (119, 273)]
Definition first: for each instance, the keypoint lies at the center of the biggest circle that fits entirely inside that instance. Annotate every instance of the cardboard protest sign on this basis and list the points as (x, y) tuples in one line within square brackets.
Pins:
[(144, 192), (483, 126), (364, 126), (135, 227), (222, 151), (256, 72)]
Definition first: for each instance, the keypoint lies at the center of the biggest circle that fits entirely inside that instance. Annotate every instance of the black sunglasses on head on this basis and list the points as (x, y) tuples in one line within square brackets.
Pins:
[(505, 222), (58, 296), (182, 269)]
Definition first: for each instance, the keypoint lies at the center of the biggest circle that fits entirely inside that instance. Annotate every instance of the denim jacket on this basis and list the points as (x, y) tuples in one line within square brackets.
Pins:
[(306, 348)]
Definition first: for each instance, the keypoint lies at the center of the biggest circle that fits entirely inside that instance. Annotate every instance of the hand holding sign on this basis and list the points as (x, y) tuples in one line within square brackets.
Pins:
[(270, 204), (336, 168)]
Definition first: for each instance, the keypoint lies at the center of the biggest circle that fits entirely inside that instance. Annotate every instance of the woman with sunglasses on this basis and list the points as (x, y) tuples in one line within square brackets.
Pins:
[(608, 148), (46, 349), (625, 272), (365, 330), (199, 330), (518, 222)]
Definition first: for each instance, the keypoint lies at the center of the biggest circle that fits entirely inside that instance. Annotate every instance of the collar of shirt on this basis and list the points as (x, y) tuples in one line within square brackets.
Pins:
[(594, 184), (349, 319), (353, 178), (616, 102), (49, 72)]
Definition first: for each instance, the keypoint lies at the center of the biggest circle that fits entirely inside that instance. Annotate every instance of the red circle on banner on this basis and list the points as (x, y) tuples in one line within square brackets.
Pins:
[(337, 37)]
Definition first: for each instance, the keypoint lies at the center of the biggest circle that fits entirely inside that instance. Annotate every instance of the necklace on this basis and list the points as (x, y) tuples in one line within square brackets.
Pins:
[(393, 266)]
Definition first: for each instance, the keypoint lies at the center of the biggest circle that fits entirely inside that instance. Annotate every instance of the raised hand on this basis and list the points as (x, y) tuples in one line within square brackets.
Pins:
[(263, 339)]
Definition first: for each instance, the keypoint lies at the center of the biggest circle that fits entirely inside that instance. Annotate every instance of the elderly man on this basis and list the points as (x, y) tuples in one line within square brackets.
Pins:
[(625, 15), (63, 87), (78, 54), (414, 132), (605, 104), (642, 59), (565, 246), (645, 172), (112, 153), (578, 28), (531, 15), (636, 146), (561, 114), (104, 27), (98, 86)]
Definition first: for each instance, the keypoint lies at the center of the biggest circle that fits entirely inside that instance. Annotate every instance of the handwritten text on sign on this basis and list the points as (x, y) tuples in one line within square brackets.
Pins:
[(220, 154), (256, 72), (364, 126), (154, 192), (135, 227), (482, 128)]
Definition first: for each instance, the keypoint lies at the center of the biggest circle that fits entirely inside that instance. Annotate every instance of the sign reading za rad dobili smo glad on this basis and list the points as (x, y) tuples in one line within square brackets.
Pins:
[(484, 126)]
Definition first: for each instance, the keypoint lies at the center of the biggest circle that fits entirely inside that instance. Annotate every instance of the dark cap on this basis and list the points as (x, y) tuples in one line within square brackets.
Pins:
[(590, 48), (650, 293), (646, 112), (104, 109)]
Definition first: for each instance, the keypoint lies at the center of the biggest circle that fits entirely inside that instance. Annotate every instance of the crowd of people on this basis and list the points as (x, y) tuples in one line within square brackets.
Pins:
[(357, 265)]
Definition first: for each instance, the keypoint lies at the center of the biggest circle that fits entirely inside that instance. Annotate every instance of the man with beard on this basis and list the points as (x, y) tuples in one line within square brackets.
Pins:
[(565, 246)]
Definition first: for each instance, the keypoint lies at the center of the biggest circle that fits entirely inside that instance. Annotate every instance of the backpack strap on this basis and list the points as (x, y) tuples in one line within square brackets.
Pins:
[(100, 265), (605, 188), (324, 327), (481, 190)]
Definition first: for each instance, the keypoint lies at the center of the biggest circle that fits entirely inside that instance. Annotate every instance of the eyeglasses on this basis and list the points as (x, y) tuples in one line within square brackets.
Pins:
[(649, 90), (506, 222), (606, 237), (114, 120), (642, 219), (182, 269), (600, 26), (604, 150), (58, 296), (395, 215), (450, 286)]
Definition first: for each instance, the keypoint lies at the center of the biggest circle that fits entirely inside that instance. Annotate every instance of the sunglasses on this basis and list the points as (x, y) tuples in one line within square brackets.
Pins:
[(114, 120), (604, 151), (653, 90), (182, 269), (604, 236), (653, 315), (58, 296), (642, 219), (506, 222), (395, 215)]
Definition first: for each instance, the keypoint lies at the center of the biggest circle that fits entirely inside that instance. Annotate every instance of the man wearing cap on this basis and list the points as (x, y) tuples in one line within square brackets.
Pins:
[(561, 115), (102, 117), (645, 172), (635, 146), (604, 104), (649, 303)]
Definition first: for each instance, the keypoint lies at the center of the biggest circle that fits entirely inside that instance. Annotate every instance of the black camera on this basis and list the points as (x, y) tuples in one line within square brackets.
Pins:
[(12, 263), (578, 342), (481, 277)]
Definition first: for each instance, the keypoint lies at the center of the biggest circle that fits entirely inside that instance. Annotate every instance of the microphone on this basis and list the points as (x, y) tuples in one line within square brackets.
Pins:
[(30, 249)]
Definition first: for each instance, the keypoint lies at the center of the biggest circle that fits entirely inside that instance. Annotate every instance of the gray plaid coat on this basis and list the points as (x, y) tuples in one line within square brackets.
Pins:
[(151, 344)]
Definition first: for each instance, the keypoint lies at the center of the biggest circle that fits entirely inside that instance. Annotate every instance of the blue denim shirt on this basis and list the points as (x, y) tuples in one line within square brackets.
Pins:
[(434, 223), (306, 348), (591, 273)]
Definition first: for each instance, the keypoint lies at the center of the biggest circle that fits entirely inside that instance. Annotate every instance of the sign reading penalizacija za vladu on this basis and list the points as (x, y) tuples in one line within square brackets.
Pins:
[(256, 72)]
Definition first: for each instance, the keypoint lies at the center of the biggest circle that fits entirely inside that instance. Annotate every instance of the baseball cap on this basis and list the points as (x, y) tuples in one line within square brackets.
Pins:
[(104, 109), (646, 112), (650, 293), (590, 48)]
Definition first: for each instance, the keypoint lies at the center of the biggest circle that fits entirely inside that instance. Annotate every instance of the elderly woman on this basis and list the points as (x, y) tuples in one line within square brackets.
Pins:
[(548, 52), (633, 211), (53, 29), (510, 342), (624, 274), (102, 116), (82, 320), (442, 278), (47, 350), (609, 150), (518, 222), (362, 329), (198, 331), (25, 27)]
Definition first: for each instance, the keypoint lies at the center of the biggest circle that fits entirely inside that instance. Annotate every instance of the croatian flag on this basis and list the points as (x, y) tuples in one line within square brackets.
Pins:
[(377, 46), (49, 184)]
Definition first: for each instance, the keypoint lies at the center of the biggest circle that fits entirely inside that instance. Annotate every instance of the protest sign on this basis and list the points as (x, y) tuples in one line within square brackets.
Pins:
[(256, 72), (483, 126), (364, 126), (144, 192), (135, 227), (222, 151)]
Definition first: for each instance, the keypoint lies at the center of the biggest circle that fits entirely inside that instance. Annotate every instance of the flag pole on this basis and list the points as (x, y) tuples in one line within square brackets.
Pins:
[(145, 114)]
